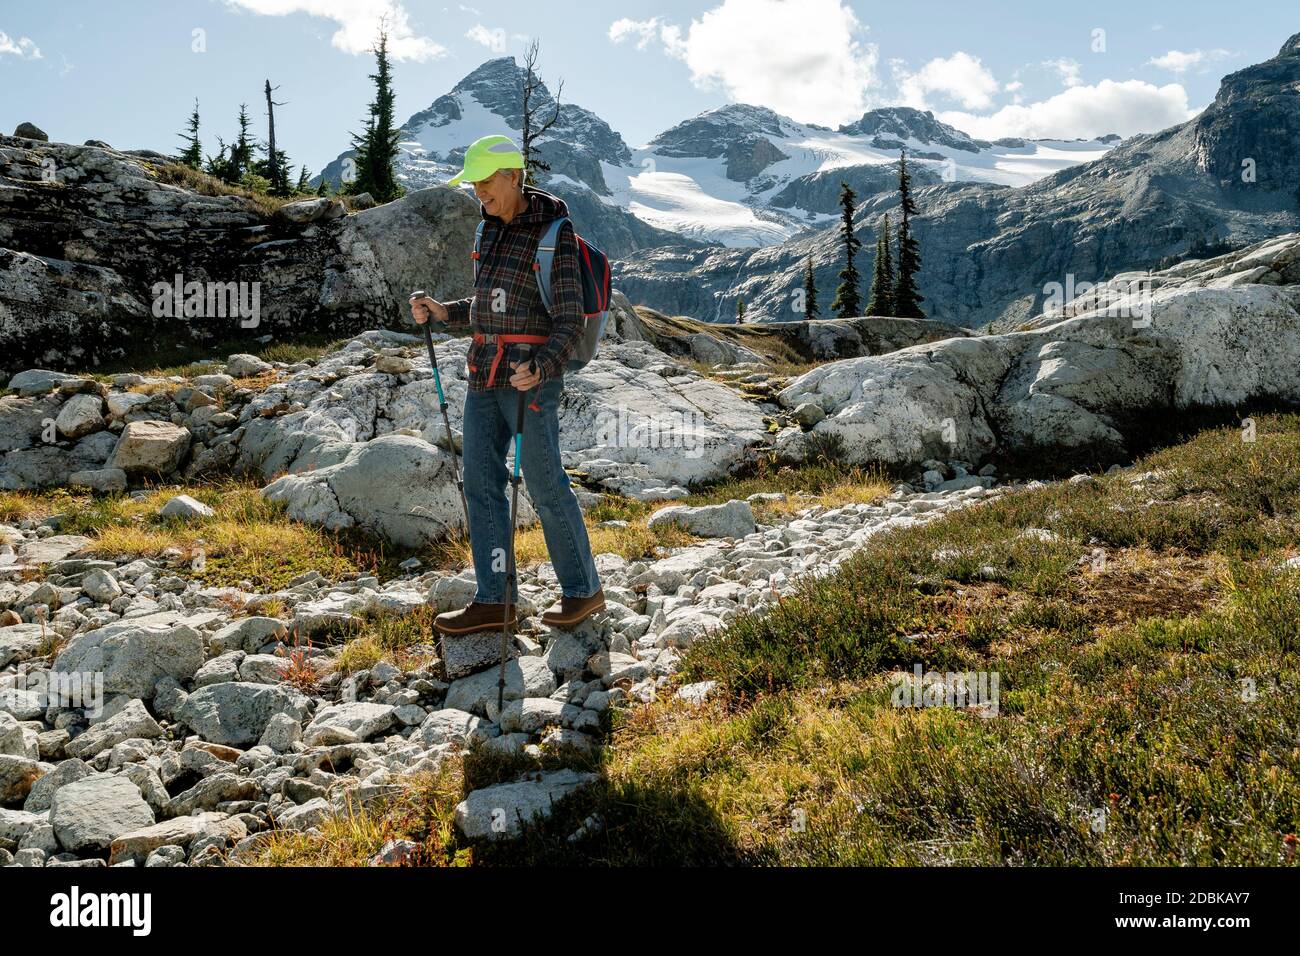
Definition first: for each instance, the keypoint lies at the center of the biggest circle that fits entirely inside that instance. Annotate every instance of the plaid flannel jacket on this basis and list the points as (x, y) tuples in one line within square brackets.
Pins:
[(506, 299)]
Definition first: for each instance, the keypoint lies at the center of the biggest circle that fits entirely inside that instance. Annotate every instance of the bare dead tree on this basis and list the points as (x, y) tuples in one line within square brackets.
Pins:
[(279, 177), (533, 126)]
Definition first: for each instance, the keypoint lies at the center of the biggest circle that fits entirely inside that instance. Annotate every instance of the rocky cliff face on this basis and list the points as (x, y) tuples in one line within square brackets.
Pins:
[(990, 252), (92, 239), (1248, 135)]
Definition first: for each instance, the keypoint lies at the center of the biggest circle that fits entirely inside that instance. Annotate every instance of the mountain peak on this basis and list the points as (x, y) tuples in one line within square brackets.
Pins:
[(506, 67), (1291, 47), (711, 133), (892, 124)]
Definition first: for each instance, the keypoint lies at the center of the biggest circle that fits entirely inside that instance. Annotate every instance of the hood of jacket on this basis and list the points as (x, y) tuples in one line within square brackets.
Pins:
[(542, 208)]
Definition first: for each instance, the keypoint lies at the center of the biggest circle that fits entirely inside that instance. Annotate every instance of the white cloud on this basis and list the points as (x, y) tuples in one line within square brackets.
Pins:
[(960, 77), (1178, 61), (1126, 108), (493, 39), (643, 31), (802, 58), (23, 47), (1067, 69), (808, 60), (359, 22)]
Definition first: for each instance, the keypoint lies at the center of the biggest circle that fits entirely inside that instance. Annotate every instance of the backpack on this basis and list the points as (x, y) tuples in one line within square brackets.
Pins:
[(593, 268)]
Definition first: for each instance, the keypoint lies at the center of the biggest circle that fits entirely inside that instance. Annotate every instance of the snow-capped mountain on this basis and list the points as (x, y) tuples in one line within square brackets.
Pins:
[(738, 176), (746, 176), (991, 253), (578, 148)]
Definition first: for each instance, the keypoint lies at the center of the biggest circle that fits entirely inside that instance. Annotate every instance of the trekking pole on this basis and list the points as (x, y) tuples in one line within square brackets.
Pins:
[(446, 420), (510, 554)]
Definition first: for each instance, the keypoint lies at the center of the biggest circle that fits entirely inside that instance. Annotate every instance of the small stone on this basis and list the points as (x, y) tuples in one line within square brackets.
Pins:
[(532, 714), (183, 506), (80, 415), (395, 853), (17, 774), (91, 813), (101, 586), (525, 677), (359, 720), (131, 722), (735, 519), (471, 653), (250, 634), (248, 366), (497, 812), (809, 414), (173, 834), (281, 733), (237, 714), (31, 131), (304, 817), (150, 447), (103, 480), (696, 693)]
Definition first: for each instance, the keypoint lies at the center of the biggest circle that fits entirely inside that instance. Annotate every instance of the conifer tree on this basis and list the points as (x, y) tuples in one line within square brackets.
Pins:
[(847, 302), (907, 298), (376, 148), (810, 307), (193, 153), (882, 281), (740, 310), (216, 165), (240, 159), (263, 169)]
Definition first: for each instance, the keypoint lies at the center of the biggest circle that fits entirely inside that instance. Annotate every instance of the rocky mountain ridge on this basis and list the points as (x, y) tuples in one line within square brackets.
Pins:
[(992, 253), (738, 174)]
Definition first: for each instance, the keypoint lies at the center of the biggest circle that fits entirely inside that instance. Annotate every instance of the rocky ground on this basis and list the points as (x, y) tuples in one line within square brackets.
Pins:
[(226, 718), (1081, 386), (1085, 382)]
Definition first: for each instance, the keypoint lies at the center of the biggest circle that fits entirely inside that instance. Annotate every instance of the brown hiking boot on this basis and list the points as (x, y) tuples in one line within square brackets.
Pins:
[(475, 619), (570, 612)]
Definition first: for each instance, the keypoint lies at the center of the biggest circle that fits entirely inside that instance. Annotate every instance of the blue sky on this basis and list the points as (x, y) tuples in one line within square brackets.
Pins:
[(128, 71)]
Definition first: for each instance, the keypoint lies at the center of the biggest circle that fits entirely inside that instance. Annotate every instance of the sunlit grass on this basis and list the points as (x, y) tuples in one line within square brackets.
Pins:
[(248, 539)]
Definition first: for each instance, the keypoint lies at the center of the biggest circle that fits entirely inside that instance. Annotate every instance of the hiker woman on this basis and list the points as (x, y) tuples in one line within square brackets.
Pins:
[(518, 346)]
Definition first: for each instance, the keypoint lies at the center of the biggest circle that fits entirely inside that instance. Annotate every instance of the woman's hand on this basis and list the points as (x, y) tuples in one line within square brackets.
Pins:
[(424, 308), (526, 376)]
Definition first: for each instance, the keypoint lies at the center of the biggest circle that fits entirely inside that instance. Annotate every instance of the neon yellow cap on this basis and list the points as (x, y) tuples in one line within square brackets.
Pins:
[(486, 156)]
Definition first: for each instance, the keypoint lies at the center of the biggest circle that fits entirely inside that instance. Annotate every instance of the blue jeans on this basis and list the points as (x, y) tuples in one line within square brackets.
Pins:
[(489, 430)]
